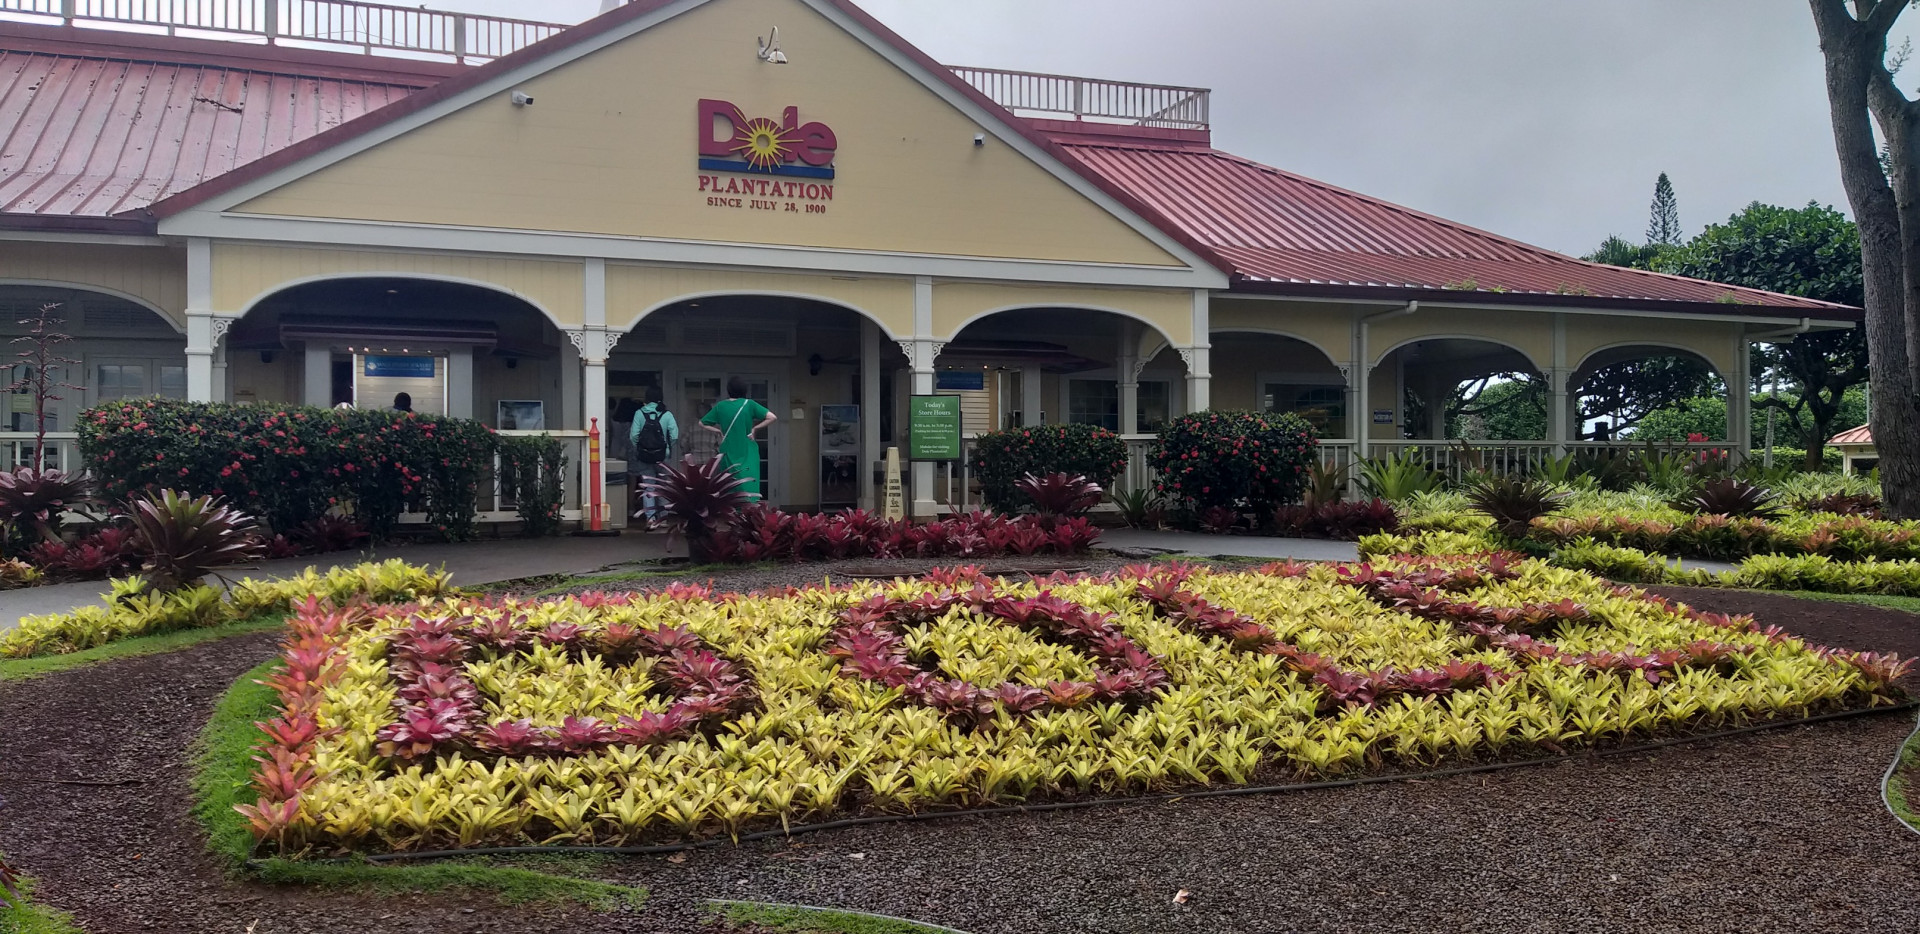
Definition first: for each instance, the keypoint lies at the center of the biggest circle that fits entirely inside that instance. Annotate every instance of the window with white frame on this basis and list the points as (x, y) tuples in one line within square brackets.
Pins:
[(1097, 402), (133, 378), (1323, 405)]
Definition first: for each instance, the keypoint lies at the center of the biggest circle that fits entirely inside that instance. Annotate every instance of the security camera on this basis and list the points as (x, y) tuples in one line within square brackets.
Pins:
[(522, 99), (979, 139)]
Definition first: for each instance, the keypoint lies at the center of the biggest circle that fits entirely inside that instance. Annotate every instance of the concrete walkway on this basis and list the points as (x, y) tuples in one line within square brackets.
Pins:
[(1239, 546), (471, 563)]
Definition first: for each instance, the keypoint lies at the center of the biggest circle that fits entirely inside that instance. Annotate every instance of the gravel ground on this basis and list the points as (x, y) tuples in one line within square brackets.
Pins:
[(1780, 831)]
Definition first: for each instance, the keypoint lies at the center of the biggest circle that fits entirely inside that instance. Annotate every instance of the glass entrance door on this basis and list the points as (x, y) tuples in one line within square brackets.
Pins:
[(699, 392)]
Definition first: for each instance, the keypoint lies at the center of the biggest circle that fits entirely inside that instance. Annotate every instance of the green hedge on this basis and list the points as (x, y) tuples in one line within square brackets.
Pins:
[(291, 464), (1002, 458)]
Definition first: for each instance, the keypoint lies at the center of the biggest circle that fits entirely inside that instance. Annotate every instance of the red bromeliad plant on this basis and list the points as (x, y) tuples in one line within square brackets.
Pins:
[(1060, 495), (439, 708)]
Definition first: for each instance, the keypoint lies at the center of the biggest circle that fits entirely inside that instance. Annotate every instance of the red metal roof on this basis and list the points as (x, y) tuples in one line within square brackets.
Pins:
[(1276, 231), (91, 125), (1860, 435)]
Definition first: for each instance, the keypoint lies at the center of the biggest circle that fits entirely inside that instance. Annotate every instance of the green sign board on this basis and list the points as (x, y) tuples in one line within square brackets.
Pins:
[(933, 428)]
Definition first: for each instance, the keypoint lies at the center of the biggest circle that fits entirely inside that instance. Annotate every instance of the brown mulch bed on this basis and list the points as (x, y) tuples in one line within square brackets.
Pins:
[(1826, 622), (1777, 831)]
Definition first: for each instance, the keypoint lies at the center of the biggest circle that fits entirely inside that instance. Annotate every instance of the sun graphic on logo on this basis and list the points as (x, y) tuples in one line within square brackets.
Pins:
[(763, 143)]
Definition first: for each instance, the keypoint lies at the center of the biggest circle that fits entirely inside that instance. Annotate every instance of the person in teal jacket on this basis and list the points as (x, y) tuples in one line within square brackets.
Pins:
[(651, 449), (736, 419)]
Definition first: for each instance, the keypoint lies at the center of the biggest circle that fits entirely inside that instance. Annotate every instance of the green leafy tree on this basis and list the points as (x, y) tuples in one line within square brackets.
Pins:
[(1507, 407), (1663, 224), (1621, 394), (1813, 252), (1619, 251)]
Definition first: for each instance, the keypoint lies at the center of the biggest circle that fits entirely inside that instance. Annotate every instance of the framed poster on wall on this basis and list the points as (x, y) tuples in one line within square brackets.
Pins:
[(522, 415)]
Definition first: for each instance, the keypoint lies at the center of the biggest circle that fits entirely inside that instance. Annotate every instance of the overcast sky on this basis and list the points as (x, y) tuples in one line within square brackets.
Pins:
[(1545, 120)]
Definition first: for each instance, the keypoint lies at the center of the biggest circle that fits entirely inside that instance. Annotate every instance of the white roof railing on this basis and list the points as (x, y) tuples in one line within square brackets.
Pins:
[(463, 37), (472, 38), (1061, 97)]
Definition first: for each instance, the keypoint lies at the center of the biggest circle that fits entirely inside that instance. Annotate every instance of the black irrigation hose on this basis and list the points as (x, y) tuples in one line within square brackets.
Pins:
[(788, 832), (1886, 781)]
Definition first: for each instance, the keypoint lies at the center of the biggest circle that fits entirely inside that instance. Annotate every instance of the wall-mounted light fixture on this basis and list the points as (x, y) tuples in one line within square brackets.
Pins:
[(266, 356), (770, 49), (814, 363), (513, 363)]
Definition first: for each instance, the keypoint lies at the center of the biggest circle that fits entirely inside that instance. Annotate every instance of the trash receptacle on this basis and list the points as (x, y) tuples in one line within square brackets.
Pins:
[(618, 494)]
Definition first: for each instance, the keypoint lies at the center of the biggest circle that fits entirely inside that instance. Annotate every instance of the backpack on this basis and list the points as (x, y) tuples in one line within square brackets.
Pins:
[(650, 443)]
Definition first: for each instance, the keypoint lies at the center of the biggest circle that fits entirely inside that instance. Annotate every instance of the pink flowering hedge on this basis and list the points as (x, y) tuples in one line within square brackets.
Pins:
[(1246, 461), (289, 464)]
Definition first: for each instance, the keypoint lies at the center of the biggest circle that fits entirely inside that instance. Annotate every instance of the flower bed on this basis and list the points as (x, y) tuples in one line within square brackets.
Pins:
[(634, 718), (129, 613)]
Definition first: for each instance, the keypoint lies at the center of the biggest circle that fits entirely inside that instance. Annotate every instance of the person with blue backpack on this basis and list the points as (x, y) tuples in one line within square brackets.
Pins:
[(653, 435)]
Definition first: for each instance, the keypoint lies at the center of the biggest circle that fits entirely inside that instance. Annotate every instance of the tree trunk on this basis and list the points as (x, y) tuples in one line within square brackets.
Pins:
[(1855, 53)]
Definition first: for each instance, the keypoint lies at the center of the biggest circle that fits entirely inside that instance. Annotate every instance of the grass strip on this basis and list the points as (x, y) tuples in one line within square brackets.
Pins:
[(28, 918), (796, 919), (16, 669), (223, 775), (1909, 604), (572, 583)]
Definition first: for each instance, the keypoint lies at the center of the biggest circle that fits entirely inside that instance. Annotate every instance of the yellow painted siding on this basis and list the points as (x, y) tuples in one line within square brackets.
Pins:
[(1713, 340), (632, 291), (1328, 327), (957, 304), (610, 147), (153, 275), (246, 273), (1529, 332)]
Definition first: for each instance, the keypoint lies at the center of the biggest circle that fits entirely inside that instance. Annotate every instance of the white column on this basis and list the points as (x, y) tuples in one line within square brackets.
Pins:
[(570, 371), (200, 334), (318, 377), (460, 382), (1360, 378), (1127, 373), (596, 343), (1032, 405), (1557, 377), (1559, 410), (1199, 356), (870, 452), (199, 356), (923, 351)]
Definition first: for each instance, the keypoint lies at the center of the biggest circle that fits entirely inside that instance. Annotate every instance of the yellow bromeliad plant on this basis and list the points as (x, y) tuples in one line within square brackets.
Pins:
[(130, 611), (629, 718)]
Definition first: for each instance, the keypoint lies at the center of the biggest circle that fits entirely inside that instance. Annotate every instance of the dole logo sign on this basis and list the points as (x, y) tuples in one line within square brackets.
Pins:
[(732, 142)]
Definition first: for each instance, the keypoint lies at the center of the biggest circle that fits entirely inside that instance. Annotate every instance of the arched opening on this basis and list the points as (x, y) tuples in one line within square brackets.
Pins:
[(454, 348), (836, 381), (118, 348), (1461, 389), (1269, 372), (1037, 366), (1642, 392)]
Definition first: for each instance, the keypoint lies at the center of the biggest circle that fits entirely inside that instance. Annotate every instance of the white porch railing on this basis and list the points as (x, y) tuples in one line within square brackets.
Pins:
[(1457, 459), (62, 451), (464, 37), (495, 503)]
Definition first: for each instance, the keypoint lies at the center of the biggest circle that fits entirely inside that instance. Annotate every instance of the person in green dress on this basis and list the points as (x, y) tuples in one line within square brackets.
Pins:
[(736, 419)]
